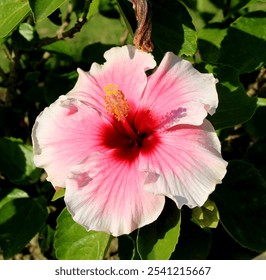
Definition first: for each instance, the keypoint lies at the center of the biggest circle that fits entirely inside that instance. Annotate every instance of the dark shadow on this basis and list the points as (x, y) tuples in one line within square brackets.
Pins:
[(94, 53), (168, 16), (208, 51), (224, 247), (16, 230), (194, 243)]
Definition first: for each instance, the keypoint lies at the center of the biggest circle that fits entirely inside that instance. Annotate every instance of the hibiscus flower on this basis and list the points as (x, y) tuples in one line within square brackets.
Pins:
[(121, 141)]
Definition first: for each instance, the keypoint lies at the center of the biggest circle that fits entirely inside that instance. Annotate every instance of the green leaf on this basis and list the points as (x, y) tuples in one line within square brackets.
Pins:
[(94, 8), (60, 47), (98, 29), (27, 31), (224, 247), (235, 106), (60, 192), (209, 42), (11, 14), (73, 242), (244, 46), (238, 5), (205, 11), (20, 220), (194, 243), (46, 240), (257, 5), (43, 8), (125, 10), (172, 28), (107, 8), (256, 126), (158, 240), (206, 216), (7, 194), (16, 162), (241, 200), (207, 7), (261, 101)]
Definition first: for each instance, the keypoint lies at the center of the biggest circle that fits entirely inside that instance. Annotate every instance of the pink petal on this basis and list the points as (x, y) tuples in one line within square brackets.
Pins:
[(63, 136), (106, 194), (124, 67), (87, 91), (186, 166), (179, 93)]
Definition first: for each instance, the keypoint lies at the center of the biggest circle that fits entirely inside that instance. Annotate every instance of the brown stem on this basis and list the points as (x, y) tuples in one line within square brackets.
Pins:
[(142, 38), (66, 22)]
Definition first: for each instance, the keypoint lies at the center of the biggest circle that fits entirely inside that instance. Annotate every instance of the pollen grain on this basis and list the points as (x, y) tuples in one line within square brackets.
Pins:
[(115, 102)]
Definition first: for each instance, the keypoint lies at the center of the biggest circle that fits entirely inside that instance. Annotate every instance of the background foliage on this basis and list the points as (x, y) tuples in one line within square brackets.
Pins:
[(42, 42)]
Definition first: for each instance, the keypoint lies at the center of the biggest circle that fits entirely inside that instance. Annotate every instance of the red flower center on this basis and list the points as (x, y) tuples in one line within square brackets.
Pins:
[(127, 145), (132, 131)]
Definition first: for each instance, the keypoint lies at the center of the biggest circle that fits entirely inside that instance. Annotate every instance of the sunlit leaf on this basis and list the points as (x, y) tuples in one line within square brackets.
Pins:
[(158, 240), (94, 8), (209, 42), (206, 216), (27, 31), (237, 5), (7, 194), (261, 101), (59, 47), (43, 8), (73, 242), (11, 14), (60, 192)]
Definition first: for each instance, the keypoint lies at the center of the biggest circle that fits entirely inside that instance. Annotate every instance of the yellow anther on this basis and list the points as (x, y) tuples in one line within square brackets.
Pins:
[(115, 102)]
